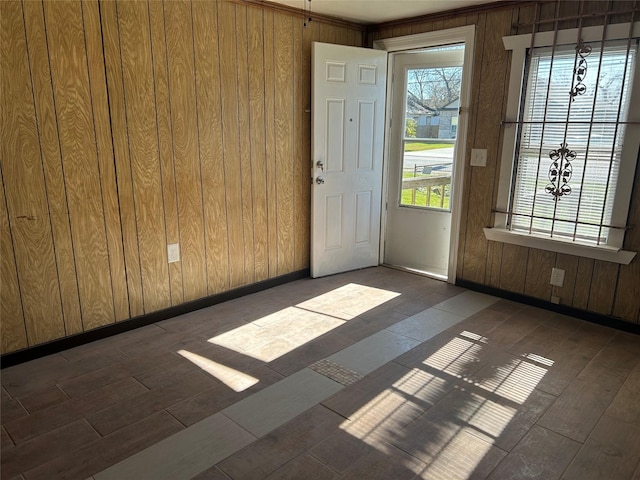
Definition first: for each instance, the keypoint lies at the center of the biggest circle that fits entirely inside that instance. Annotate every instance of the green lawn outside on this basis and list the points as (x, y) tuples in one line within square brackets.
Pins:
[(421, 199), (419, 146), (421, 194)]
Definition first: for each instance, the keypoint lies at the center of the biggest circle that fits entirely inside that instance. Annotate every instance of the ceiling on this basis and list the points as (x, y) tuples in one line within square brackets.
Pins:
[(378, 11)]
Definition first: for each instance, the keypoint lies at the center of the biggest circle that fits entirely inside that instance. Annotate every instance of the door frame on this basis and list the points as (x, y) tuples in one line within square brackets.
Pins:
[(405, 43)]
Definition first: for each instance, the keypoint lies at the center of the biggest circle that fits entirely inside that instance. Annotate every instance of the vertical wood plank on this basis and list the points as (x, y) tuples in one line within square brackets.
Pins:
[(305, 130), (603, 285), (583, 283), (165, 143), (137, 73), (548, 11), (423, 27), (13, 335), (302, 212), (474, 113), (232, 161), (595, 10), (569, 264), (246, 168), (208, 90), (95, 64), (512, 273), (52, 163), (355, 38), (622, 6), (120, 139), (568, 9), (283, 39), (74, 109), (401, 30), (453, 22), (179, 37), (342, 34), (24, 186), (526, 14), (626, 304), (255, 40), (486, 135), (328, 33), (270, 147), (372, 36), (438, 24), (494, 264), (538, 272)]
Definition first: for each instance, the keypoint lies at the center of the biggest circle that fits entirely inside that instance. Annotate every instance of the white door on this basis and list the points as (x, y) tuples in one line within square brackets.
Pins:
[(348, 107), (425, 111)]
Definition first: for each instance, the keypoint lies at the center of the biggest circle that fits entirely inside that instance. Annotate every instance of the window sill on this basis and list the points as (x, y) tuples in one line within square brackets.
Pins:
[(601, 252)]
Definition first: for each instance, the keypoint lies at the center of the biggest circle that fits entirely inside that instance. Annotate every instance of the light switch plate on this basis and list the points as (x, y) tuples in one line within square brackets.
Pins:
[(557, 277), (479, 157), (173, 252)]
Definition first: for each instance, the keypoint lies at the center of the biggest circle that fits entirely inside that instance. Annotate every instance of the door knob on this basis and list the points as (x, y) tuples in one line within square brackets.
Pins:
[(319, 180), (320, 165)]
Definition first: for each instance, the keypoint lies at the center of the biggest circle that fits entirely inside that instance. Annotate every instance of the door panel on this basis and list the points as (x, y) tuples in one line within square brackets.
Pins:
[(335, 135), (426, 98), (348, 104), (366, 128)]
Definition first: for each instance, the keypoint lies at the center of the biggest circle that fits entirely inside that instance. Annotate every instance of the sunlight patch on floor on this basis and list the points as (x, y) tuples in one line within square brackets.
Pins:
[(380, 420), (458, 460), (485, 405), (422, 385), (279, 333), (456, 358), (488, 418), (349, 301), (237, 381), (514, 381)]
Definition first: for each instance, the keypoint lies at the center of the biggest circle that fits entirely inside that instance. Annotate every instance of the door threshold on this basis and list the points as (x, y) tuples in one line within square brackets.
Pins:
[(423, 273)]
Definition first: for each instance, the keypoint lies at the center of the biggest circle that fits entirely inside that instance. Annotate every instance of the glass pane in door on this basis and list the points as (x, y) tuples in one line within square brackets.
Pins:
[(431, 124)]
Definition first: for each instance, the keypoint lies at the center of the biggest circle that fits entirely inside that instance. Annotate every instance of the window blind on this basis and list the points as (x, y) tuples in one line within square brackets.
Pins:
[(587, 124)]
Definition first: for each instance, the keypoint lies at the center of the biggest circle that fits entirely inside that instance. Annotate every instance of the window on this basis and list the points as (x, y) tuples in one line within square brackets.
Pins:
[(571, 142)]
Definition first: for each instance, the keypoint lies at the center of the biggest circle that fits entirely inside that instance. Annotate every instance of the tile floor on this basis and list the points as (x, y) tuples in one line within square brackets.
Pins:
[(373, 374)]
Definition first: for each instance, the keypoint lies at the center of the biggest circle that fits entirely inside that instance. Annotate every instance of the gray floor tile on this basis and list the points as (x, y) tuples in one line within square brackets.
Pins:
[(582, 403), (279, 403), (611, 452), (101, 454), (184, 454), (626, 404), (541, 455), (427, 324), (304, 466), (274, 450), (373, 352), (467, 303)]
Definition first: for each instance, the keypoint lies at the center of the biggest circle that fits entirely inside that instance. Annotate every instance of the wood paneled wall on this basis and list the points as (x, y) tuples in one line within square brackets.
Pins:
[(592, 285), (128, 125)]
